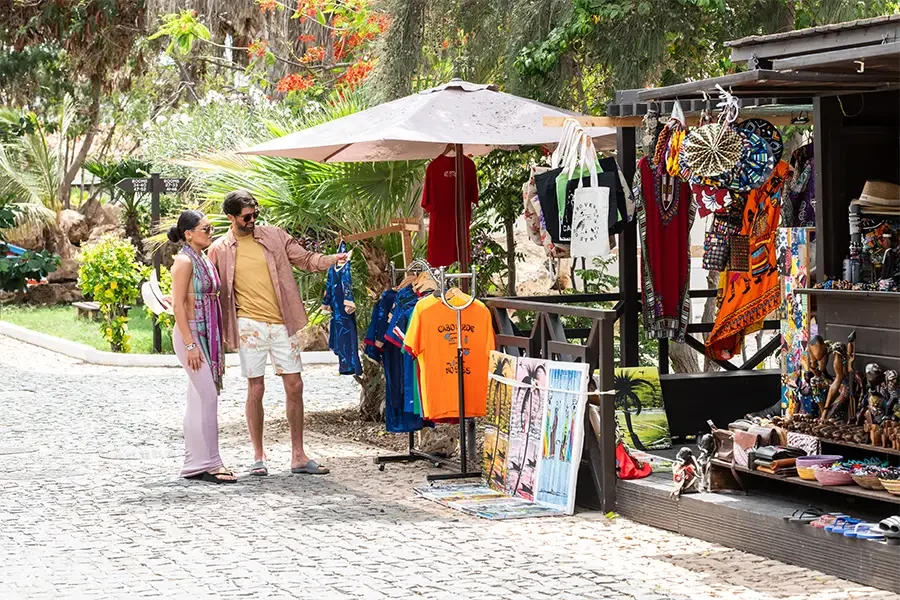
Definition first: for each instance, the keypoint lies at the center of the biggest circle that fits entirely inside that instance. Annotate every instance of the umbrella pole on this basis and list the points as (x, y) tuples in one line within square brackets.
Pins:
[(466, 426)]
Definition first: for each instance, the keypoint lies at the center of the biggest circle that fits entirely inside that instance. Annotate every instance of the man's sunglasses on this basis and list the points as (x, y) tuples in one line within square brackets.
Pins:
[(254, 215)]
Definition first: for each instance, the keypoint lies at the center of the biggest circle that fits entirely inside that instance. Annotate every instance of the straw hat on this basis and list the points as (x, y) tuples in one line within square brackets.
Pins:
[(880, 193), (153, 296)]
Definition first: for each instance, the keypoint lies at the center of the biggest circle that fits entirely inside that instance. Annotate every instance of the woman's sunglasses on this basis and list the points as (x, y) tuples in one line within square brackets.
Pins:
[(254, 215), (207, 229)]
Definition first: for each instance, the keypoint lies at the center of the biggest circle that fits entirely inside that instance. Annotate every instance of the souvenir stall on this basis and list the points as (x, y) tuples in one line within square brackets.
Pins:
[(807, 237), (451, 339)]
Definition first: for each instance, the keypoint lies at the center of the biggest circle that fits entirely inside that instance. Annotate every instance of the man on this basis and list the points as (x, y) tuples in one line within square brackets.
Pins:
[(262, 315)]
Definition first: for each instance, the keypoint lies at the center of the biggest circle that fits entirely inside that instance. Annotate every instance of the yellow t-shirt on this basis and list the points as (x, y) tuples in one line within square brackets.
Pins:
[(431, 338), (254, 293)]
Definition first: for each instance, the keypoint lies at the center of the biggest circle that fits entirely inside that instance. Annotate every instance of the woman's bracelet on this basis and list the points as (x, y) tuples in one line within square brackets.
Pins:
[(190, 346)]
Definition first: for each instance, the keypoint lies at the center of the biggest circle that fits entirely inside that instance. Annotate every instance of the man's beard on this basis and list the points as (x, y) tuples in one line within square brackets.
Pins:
[(246, 228)]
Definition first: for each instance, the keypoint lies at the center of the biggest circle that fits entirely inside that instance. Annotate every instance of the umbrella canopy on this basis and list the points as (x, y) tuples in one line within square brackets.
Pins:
[(420, 126)]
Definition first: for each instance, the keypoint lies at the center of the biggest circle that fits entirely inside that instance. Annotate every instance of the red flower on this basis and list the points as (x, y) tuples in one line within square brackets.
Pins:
[(295, 82), (313, 54), (356, 73), (258, 48), (445, 44), (267, 5), (306, 38)]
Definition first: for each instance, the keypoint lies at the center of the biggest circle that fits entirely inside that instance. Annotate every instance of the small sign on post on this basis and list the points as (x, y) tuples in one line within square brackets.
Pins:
[(155, 185)]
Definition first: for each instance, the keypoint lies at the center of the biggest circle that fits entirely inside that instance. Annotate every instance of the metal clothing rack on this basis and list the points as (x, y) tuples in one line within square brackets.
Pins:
[(442, 277), (413, 454)]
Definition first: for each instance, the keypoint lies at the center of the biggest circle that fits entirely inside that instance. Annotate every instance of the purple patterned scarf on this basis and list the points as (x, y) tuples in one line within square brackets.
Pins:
[(208, 313)]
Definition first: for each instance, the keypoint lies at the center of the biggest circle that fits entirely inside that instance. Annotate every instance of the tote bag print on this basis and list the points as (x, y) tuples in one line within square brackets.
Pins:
[(590, 211), (562, 435)]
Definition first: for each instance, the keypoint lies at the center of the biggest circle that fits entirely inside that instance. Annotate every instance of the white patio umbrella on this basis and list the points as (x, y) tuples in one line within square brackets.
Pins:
[(420, 126), (472, 118)]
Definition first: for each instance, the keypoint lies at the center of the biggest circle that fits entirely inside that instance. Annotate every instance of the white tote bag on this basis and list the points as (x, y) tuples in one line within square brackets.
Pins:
[(590, 211)]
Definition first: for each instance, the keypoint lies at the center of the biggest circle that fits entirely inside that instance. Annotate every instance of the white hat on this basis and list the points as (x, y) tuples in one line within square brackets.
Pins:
[(153, 296)]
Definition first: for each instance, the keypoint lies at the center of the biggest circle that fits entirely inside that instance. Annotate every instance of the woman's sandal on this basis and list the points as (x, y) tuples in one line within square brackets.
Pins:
[(214, 477)]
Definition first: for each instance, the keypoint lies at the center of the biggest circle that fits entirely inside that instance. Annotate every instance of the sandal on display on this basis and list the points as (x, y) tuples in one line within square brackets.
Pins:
[(840, 527), (864, 531), (826, 520), (807, 515)]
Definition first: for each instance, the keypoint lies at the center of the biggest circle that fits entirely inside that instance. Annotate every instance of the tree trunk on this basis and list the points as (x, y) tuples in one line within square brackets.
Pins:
[(94, 117), (372, 393), (399, 51), (684, 359), (709, 316), (510, 256)]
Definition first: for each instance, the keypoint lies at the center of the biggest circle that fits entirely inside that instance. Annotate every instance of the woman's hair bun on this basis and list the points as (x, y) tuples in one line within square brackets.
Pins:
[(175, 235)]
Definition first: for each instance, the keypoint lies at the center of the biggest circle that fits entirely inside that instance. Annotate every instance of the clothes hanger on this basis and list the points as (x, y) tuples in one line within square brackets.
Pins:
[(447, 149)]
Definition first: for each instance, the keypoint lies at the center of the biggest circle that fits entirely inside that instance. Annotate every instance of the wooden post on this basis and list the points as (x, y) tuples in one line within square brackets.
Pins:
[(406, 241), (606, 362), (156, 185), (628, 267)]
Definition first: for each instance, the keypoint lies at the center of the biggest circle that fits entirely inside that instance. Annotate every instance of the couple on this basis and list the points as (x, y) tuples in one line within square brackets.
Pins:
[(241, 297)]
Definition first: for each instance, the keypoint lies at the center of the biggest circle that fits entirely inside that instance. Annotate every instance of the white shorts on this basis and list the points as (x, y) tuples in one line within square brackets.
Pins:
[(260, 340)]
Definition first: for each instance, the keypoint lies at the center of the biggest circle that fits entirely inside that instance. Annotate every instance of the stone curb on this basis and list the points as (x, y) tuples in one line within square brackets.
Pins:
[(93, 356)]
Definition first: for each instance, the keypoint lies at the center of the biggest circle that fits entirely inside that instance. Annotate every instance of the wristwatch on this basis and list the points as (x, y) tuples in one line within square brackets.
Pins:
[(190, 346)]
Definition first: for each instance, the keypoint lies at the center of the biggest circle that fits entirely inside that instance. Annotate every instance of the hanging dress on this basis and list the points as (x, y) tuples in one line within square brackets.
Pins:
[(342, 339), (751, 287), (665, 213)]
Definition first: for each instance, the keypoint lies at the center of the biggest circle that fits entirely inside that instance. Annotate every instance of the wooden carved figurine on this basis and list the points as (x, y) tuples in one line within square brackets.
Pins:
[(891, 393), (874, 383), (843, 391), (707, 446)]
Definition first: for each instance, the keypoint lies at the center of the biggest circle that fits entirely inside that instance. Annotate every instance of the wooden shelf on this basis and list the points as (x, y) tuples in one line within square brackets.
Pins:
[(849, 490), (869, 447), (848, 293)]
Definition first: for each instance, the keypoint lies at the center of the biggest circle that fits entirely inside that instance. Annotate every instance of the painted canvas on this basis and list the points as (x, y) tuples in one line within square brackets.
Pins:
[(640, 412), (507, 508), (496, 427), (794, 246), (562, 435), (449, 494), (528, 402)]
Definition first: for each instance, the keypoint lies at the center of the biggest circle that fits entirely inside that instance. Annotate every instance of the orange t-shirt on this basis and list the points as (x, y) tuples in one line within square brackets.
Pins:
[(431, 338)]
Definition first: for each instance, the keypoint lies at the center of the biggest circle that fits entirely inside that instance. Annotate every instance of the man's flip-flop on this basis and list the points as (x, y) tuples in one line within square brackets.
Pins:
[(259, 468), (310, 468)]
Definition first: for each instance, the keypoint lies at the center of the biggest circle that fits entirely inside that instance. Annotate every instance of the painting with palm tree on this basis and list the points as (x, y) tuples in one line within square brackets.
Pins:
[(525, 426), (640, 412), (496, 429)]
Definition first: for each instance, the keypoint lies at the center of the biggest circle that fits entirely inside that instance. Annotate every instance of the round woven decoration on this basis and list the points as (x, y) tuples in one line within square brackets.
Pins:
[(711, 150), (752, 170), (766, 131)]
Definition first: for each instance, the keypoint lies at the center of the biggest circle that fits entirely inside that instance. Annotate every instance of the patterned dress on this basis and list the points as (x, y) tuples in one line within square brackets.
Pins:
[(665, 213), (751, 287)]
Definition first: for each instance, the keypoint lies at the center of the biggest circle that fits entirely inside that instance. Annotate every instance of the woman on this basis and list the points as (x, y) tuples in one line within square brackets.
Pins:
[(197, 340)]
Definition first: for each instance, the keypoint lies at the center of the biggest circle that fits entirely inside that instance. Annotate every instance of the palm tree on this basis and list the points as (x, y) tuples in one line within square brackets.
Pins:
[(32, 169), (503, 364), (533, 371), (110, 174), (627, 399)]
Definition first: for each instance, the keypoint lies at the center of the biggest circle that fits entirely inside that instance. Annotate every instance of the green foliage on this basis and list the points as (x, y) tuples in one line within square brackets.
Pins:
[(110, 173), (17, 271), (182, 29), (110, 274), (32, 165)]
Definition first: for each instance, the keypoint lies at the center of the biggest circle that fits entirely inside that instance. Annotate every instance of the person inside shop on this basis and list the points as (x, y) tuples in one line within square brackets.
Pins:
[(197, 340), (262, 315)]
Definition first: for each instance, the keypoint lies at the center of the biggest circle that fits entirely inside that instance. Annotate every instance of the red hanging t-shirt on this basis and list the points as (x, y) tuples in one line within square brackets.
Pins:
[(439, 201)]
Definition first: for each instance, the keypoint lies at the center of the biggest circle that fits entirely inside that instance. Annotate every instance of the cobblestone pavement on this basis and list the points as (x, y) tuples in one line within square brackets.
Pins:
[(91, 507)]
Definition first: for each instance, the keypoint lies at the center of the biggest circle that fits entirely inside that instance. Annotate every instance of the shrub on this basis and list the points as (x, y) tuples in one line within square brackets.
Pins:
[(110, 274)]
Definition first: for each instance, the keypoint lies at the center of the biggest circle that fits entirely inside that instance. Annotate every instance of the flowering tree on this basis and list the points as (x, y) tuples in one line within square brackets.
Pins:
[(333, 48)]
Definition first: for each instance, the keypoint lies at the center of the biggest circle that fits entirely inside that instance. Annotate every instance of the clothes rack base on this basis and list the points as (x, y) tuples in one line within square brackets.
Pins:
[(412, 455)]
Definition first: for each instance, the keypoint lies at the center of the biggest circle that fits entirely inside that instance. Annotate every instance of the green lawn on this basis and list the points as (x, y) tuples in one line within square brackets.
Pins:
[(60, 321)]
